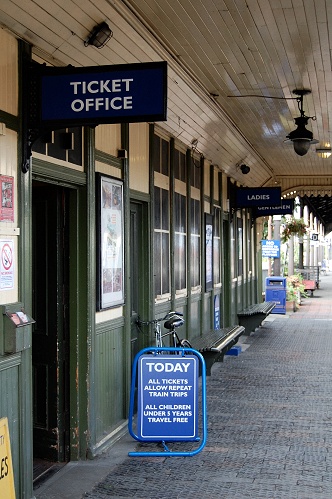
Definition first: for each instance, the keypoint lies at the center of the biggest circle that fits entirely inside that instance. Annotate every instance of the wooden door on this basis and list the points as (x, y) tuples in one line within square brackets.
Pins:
[(140, 281), (50, 345)]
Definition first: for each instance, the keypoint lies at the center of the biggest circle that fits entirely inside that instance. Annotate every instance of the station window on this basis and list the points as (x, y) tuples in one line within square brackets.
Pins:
[(160, 165), (195, 243), (65, 145), (240, 246), (216, 246), (180, 242), (180, 165), (196, 173), (180, 221)]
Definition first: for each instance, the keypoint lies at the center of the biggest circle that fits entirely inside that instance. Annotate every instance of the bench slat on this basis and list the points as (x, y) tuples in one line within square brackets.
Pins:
[(258, 308), (214, 344), (215, 340)]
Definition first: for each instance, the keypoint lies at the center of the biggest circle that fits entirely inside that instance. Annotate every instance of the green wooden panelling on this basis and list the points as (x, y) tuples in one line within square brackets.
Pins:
[(49, 172), (126, 343), (110, 389), (195, 317), (108, 159), (207, 318), (24, 431), (10, 407), (9, 120)]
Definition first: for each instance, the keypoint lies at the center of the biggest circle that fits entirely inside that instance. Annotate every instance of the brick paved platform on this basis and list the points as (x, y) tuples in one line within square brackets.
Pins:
[(269, 421)]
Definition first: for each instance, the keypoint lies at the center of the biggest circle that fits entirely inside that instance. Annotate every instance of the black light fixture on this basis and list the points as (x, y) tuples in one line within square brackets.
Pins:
[(99, 36), (324, 152), (245, 169), (301, 137)]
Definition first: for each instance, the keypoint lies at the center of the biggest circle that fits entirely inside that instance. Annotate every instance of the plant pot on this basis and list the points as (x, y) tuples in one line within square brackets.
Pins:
[(291, 306)]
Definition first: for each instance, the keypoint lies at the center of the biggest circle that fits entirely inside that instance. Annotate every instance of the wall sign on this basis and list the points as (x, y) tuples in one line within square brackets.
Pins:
[(270, 248), (6, 264), (102, 94), (286, 208), (110, 242), (208, 252), (167, 397), (260, 196), (7, 198)]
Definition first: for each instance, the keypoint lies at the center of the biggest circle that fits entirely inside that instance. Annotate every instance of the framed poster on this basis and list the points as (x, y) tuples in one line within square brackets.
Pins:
[(110, 258), (7, 198), (208, 252)]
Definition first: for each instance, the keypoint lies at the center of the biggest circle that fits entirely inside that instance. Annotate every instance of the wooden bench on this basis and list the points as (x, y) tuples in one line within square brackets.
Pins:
[(214, 345), (310, 273), (253, 316), (309, 286)]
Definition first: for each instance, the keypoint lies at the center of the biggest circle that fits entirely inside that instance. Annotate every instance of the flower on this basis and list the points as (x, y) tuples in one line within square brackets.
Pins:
[(292, 227), (294, 286)]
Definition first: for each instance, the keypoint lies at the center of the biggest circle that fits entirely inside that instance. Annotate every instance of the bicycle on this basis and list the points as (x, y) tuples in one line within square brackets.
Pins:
[(172, 320)]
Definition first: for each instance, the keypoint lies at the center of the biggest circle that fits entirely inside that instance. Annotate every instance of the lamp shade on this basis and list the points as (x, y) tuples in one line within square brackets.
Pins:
[(100, 35), (301, 137)]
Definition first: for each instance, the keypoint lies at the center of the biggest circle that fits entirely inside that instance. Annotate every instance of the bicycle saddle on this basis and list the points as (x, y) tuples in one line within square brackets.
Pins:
[(174, 322)]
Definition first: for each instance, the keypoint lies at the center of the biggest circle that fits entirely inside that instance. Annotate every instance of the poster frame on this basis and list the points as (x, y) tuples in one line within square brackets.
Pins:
[(110, 239)]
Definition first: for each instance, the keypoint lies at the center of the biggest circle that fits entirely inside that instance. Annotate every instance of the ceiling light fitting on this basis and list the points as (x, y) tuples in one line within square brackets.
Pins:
[(301, 137), (99, 36), (324, 152), (245, 169)]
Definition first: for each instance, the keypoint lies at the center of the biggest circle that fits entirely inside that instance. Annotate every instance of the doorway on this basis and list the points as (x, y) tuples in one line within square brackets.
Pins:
[(50, 342), (139, 272)]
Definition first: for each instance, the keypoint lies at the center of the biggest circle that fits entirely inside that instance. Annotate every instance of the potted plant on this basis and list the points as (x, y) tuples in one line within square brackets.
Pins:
[(293, 227), (295, 290)]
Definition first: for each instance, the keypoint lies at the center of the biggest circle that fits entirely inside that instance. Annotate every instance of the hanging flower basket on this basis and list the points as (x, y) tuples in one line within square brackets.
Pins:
[(293, 227)]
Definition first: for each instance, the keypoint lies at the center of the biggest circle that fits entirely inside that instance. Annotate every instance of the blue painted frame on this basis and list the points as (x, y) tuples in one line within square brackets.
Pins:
[(167, 452)]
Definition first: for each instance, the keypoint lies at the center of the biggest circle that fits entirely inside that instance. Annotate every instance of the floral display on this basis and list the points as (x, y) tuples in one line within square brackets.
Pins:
[(293, 227)]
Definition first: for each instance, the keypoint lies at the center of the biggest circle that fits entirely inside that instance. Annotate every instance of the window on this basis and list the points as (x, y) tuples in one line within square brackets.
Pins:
[(65, 145), (180, 165), (240, 246), (216, 246), (195, 212), (180, 241), (195, 243), (195, 173), (180, 221), (160, 159)]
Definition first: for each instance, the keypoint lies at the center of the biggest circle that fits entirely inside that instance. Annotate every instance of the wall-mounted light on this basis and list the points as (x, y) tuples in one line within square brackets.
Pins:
[(99, 36), (324, 152), (245, 169), (301, 137)]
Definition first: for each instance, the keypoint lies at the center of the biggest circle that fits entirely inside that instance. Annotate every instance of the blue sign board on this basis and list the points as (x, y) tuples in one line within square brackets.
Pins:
[(103, 94), (167, 397), (270, 248), (217, 312), (286, 208), (247, 197)]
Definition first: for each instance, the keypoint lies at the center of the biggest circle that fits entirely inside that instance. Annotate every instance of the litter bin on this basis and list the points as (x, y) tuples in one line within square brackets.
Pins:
[(275, 290)]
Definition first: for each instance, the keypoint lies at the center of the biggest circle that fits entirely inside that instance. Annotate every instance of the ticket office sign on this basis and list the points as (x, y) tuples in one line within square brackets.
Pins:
[(103, 94), (167, 397)]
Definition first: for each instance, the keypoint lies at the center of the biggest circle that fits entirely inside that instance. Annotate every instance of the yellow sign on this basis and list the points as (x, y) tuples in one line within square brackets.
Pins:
[(7, 489)]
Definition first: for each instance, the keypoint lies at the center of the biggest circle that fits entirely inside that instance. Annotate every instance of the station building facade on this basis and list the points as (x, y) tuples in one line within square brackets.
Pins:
[(124, 193)]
